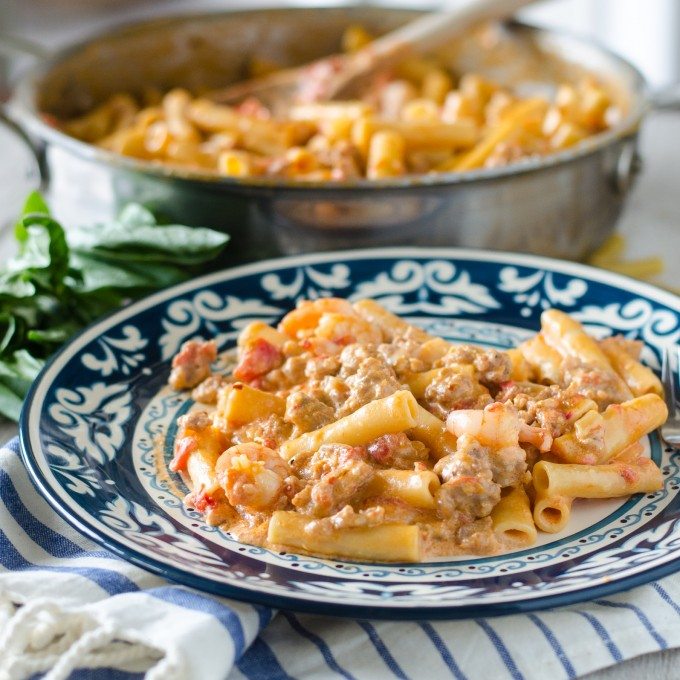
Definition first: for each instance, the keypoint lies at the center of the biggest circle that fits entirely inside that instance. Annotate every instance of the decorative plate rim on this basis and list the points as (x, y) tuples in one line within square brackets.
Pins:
[(414, 612), (250, 591)]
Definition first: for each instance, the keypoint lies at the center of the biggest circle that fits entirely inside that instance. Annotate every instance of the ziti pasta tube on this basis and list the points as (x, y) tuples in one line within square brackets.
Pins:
[(512, 519), (623, 425), (597, 481), (395, 413), (417, 488), (552, 512), (387, 542), (640, 379)]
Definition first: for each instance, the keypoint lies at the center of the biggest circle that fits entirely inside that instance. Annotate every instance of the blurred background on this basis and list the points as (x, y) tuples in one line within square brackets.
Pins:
[(647, 32)]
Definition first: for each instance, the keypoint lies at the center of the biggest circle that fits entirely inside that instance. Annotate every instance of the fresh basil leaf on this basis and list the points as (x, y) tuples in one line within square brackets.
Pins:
[(170, 244), (26, 365), (57, 284), (53, 336), (34, 203), (98, 273), (134, 215), (10, 403), (34, 250), (19, 371), (13, 288), (173, 243), (8, 328), (100, 302), (24, 316), (43, 252)]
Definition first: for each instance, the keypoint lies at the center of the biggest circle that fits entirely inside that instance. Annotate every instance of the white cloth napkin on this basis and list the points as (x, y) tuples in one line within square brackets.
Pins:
[(67, 607)]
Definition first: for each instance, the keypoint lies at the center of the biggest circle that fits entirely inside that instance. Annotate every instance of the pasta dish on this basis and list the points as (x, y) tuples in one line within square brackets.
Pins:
[(348, 432), (419, 118)]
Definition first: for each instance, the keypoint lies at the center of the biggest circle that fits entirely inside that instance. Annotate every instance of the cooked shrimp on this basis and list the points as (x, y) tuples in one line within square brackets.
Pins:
[(320, 347), (345, 330), (498, 426), (540, 437), (306, 315), (252, 476)]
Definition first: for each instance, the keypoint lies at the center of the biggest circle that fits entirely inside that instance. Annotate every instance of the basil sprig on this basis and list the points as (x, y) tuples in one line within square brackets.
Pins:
[(61, 280)]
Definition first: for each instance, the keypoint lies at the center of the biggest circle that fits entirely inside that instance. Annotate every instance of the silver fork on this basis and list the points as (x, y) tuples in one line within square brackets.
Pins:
[(670, 431)]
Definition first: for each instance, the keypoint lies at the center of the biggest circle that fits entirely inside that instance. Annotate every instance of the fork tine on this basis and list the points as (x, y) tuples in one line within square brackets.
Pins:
[(674, 367), (668, 380)]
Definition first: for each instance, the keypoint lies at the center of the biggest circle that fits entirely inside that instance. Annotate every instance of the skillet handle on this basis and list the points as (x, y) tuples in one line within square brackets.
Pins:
[(629, 163), (666, 99), (13, 46), (16, 46), (37, 151)]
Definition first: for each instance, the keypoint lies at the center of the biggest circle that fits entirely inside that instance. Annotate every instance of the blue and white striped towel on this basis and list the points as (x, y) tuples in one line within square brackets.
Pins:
[(68, 607)]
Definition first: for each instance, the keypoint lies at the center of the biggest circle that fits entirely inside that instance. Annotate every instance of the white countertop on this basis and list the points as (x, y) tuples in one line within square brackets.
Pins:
[(651, 221), (650, 224)]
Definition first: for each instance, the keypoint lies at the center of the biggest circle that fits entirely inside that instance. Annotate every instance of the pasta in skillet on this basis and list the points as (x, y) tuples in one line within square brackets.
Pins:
[(347, 432), (418, 119)]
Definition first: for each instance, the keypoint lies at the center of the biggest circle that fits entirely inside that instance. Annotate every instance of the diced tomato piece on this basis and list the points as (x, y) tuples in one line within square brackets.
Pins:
[(345, 340), (191, 365), (183, 449), (258, 358), (382, 449), (629, 474), (202, 502), (195, 351)]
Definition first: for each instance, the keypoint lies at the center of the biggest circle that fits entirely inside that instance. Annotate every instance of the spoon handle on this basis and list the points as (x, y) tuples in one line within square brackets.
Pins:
[(433, 29)]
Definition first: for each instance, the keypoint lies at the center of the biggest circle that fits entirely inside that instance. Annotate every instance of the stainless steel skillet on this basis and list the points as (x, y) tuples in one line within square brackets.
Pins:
[(563, 205)]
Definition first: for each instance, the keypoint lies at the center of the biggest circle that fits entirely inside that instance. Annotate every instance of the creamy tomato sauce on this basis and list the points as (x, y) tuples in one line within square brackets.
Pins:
[(347, 432)]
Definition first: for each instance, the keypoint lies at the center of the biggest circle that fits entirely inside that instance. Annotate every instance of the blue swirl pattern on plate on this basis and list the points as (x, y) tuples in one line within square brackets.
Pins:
[(100, 410)]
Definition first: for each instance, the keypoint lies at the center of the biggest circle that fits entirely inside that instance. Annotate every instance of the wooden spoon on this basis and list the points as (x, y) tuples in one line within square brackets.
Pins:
[(341, 76)]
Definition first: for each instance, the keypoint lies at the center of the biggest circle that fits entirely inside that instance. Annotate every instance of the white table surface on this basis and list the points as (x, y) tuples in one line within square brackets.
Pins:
[(650, 224)]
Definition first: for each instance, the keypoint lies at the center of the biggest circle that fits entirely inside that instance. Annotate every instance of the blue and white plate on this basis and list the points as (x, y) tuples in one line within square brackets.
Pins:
[(101, 408)]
